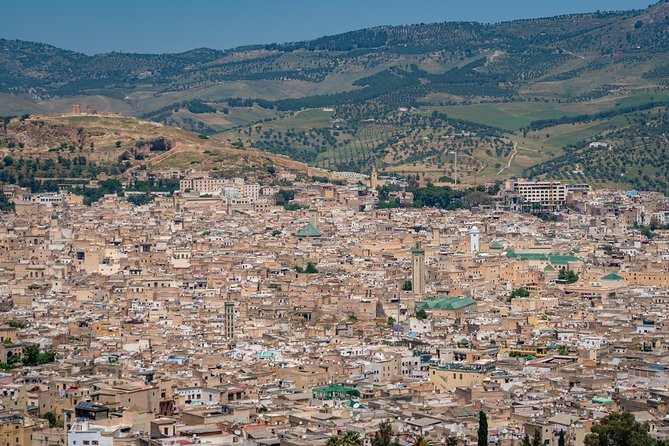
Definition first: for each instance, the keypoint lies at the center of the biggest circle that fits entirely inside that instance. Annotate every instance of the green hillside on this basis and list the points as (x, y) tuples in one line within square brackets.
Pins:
[(402, 98)]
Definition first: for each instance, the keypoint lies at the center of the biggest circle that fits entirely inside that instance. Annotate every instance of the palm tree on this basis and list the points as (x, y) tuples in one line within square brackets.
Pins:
[(422, 441), (350, 438)]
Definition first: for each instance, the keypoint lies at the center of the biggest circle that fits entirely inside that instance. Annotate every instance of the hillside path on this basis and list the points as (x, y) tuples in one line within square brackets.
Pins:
[(513, 155)]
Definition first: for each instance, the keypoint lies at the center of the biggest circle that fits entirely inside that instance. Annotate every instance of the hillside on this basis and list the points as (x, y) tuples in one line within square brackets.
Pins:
[(42, 151), (402, 98)]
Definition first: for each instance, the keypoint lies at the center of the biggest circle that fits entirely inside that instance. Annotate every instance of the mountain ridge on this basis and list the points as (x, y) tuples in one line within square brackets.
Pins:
[(400, 98)]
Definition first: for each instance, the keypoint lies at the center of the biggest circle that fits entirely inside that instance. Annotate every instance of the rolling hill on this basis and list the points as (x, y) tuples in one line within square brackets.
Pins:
[(525, 97)]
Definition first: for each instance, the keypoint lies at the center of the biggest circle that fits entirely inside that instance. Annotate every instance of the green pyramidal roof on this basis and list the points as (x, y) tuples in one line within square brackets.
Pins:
[(612, 276), (496, 245), (309, 230)]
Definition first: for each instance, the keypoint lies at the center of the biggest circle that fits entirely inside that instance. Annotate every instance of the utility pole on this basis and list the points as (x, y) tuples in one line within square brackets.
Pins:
[(455, 168)]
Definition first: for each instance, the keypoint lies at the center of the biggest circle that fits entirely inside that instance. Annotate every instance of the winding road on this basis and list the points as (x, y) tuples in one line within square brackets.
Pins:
[(513, 155)]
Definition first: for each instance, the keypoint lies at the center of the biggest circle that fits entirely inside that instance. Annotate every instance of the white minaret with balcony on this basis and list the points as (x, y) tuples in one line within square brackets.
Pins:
[(474, 239)]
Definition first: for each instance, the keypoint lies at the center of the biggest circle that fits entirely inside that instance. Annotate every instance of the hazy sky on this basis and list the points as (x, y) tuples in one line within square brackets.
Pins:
[(94, 26)]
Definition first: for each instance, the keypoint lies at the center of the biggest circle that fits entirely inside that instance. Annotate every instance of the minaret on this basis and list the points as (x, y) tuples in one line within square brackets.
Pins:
[(436, 236), (474, 239), (418, 270), (373, 178), (229, 316)]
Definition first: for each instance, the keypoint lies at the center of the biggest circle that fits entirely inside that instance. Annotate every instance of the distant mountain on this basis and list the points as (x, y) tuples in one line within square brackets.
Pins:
[(488, 84), (517, 53)]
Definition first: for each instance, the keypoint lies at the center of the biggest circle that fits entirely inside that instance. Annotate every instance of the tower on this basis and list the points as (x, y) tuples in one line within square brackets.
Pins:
[(418, 270), (474, 239), (229, 316), (373, 178), (436, 236), (422, 181)]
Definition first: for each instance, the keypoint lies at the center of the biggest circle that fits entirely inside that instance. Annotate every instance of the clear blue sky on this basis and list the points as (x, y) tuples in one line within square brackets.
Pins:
[(94, 26)]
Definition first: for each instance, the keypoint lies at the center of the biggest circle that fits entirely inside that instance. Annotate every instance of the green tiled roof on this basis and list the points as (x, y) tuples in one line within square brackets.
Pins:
[(561, 259), (602, 400), (496, 245), (309, 230), (612, 276), (549, 268), (445, 303), (556, 259), (335, 390)]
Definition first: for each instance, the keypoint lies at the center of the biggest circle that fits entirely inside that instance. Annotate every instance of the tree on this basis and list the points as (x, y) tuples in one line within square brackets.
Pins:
[(421, 314), (526, 441), (384, 436), (284, 196), (568, 275), (536, 439), (5, 204), (518, 292), (408, 285), (31, 355), (476, 198), (17, 324), (311, 268), (561, 441), (483, 429), (452, 441), (348, 438), (51, 418), (422, 441), (141, 199), (619, 429)]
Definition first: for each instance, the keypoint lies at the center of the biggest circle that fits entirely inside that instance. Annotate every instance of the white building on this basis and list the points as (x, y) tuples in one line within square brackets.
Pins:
[(198, 396), (545, 194), (83, 433)]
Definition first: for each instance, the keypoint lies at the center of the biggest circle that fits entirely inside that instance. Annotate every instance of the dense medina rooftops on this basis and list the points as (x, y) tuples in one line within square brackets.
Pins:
[(136, 291)]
